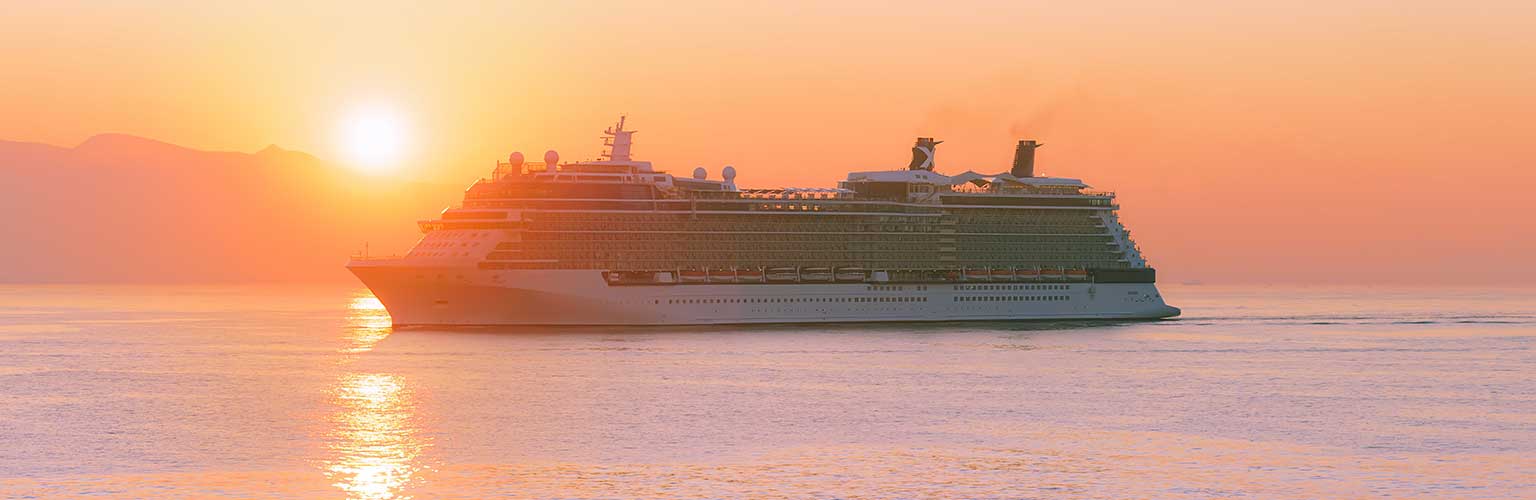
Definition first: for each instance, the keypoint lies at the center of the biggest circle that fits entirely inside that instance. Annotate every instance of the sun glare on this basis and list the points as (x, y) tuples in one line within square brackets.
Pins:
[(374, 140)]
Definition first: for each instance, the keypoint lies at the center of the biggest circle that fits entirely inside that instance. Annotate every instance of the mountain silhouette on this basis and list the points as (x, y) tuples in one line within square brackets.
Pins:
[(121, 208)]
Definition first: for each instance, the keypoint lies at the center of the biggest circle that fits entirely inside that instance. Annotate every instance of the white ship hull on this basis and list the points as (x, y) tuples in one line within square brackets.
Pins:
[(429, 295)]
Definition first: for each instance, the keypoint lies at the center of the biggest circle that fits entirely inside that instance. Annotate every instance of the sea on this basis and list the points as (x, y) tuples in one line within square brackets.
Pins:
[(307, 392)]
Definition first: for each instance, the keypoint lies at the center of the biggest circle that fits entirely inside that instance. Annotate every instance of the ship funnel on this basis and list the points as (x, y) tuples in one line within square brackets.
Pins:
[(1024, 159), (922, 154)]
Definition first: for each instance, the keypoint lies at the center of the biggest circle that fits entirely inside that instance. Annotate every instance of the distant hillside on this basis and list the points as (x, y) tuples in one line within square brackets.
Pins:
[(119, 208)]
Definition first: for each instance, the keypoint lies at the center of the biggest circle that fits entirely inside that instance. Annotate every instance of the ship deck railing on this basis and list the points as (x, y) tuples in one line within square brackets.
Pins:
[(373, 258)]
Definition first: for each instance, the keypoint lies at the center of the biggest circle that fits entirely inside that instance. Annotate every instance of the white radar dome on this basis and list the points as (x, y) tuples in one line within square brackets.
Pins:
[(700, 174), (551, 158), (728, 173), (516, 159)]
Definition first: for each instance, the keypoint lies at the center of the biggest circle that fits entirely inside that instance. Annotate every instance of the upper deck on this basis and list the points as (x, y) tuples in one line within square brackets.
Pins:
[(619, 213), (621, 181)]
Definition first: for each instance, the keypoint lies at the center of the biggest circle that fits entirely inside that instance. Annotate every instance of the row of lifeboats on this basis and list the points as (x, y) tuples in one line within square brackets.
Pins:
[(838, 275), (775, 275), (1025, 274)]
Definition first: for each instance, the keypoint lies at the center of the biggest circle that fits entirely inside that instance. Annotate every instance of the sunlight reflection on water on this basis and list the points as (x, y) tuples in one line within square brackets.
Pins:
[(375, 441), (367, 323)]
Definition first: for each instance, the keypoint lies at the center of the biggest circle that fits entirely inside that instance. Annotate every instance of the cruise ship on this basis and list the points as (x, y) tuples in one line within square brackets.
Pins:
[(616, 241)]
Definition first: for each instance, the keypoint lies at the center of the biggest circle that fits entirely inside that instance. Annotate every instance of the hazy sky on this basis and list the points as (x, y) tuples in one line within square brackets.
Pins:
[(1341, 140)]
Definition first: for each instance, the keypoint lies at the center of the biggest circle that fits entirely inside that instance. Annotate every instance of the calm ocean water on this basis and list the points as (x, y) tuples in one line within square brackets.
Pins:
[(307, 392)]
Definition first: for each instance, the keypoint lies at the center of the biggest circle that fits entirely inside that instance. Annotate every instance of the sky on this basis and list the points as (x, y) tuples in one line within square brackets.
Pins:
[(1358, 141)]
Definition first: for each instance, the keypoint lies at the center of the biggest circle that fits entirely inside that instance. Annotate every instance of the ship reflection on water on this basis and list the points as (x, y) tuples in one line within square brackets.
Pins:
[(374, 438)]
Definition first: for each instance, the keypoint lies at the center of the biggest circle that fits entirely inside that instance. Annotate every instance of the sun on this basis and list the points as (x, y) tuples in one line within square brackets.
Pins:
[(375, 139)]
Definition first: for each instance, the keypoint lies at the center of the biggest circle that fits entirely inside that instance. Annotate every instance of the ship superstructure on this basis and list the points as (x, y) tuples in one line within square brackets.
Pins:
[(616, 241)]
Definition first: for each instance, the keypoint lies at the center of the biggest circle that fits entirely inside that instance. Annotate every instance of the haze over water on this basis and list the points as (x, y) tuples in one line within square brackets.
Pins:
[(307, 392)]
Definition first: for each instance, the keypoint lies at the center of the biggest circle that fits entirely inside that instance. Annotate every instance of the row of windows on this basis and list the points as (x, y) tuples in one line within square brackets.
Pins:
[(1012, 287), (819, 225), (716, 261), (1014, 239), (1013, 212), (1044, 216), (1042, 247), (747, 259), (896, 272), (444, 244), (916, 215), (673, 234), (733, 246), (796, 300), (1028, 229), (665, 218), (813, 227), (787, 243), (1004, 258), (437, 254), (1014, 298), (458, 235)]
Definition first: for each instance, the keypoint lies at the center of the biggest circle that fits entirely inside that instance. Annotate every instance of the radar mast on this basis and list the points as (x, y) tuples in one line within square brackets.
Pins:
[(616, 140)]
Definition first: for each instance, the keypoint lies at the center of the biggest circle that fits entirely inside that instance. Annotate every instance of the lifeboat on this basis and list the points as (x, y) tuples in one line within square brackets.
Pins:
[(1077, 274), (637, 277), (1050, 273), (749, 276), (816, 274), (851, 274), (977, 274), (692, 276), (782, 275), (952, 276), (1028, 273), (722, 276), (1002, 274)]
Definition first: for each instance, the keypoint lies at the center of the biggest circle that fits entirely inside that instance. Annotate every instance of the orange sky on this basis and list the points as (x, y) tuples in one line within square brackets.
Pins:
[(1346, 140)]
